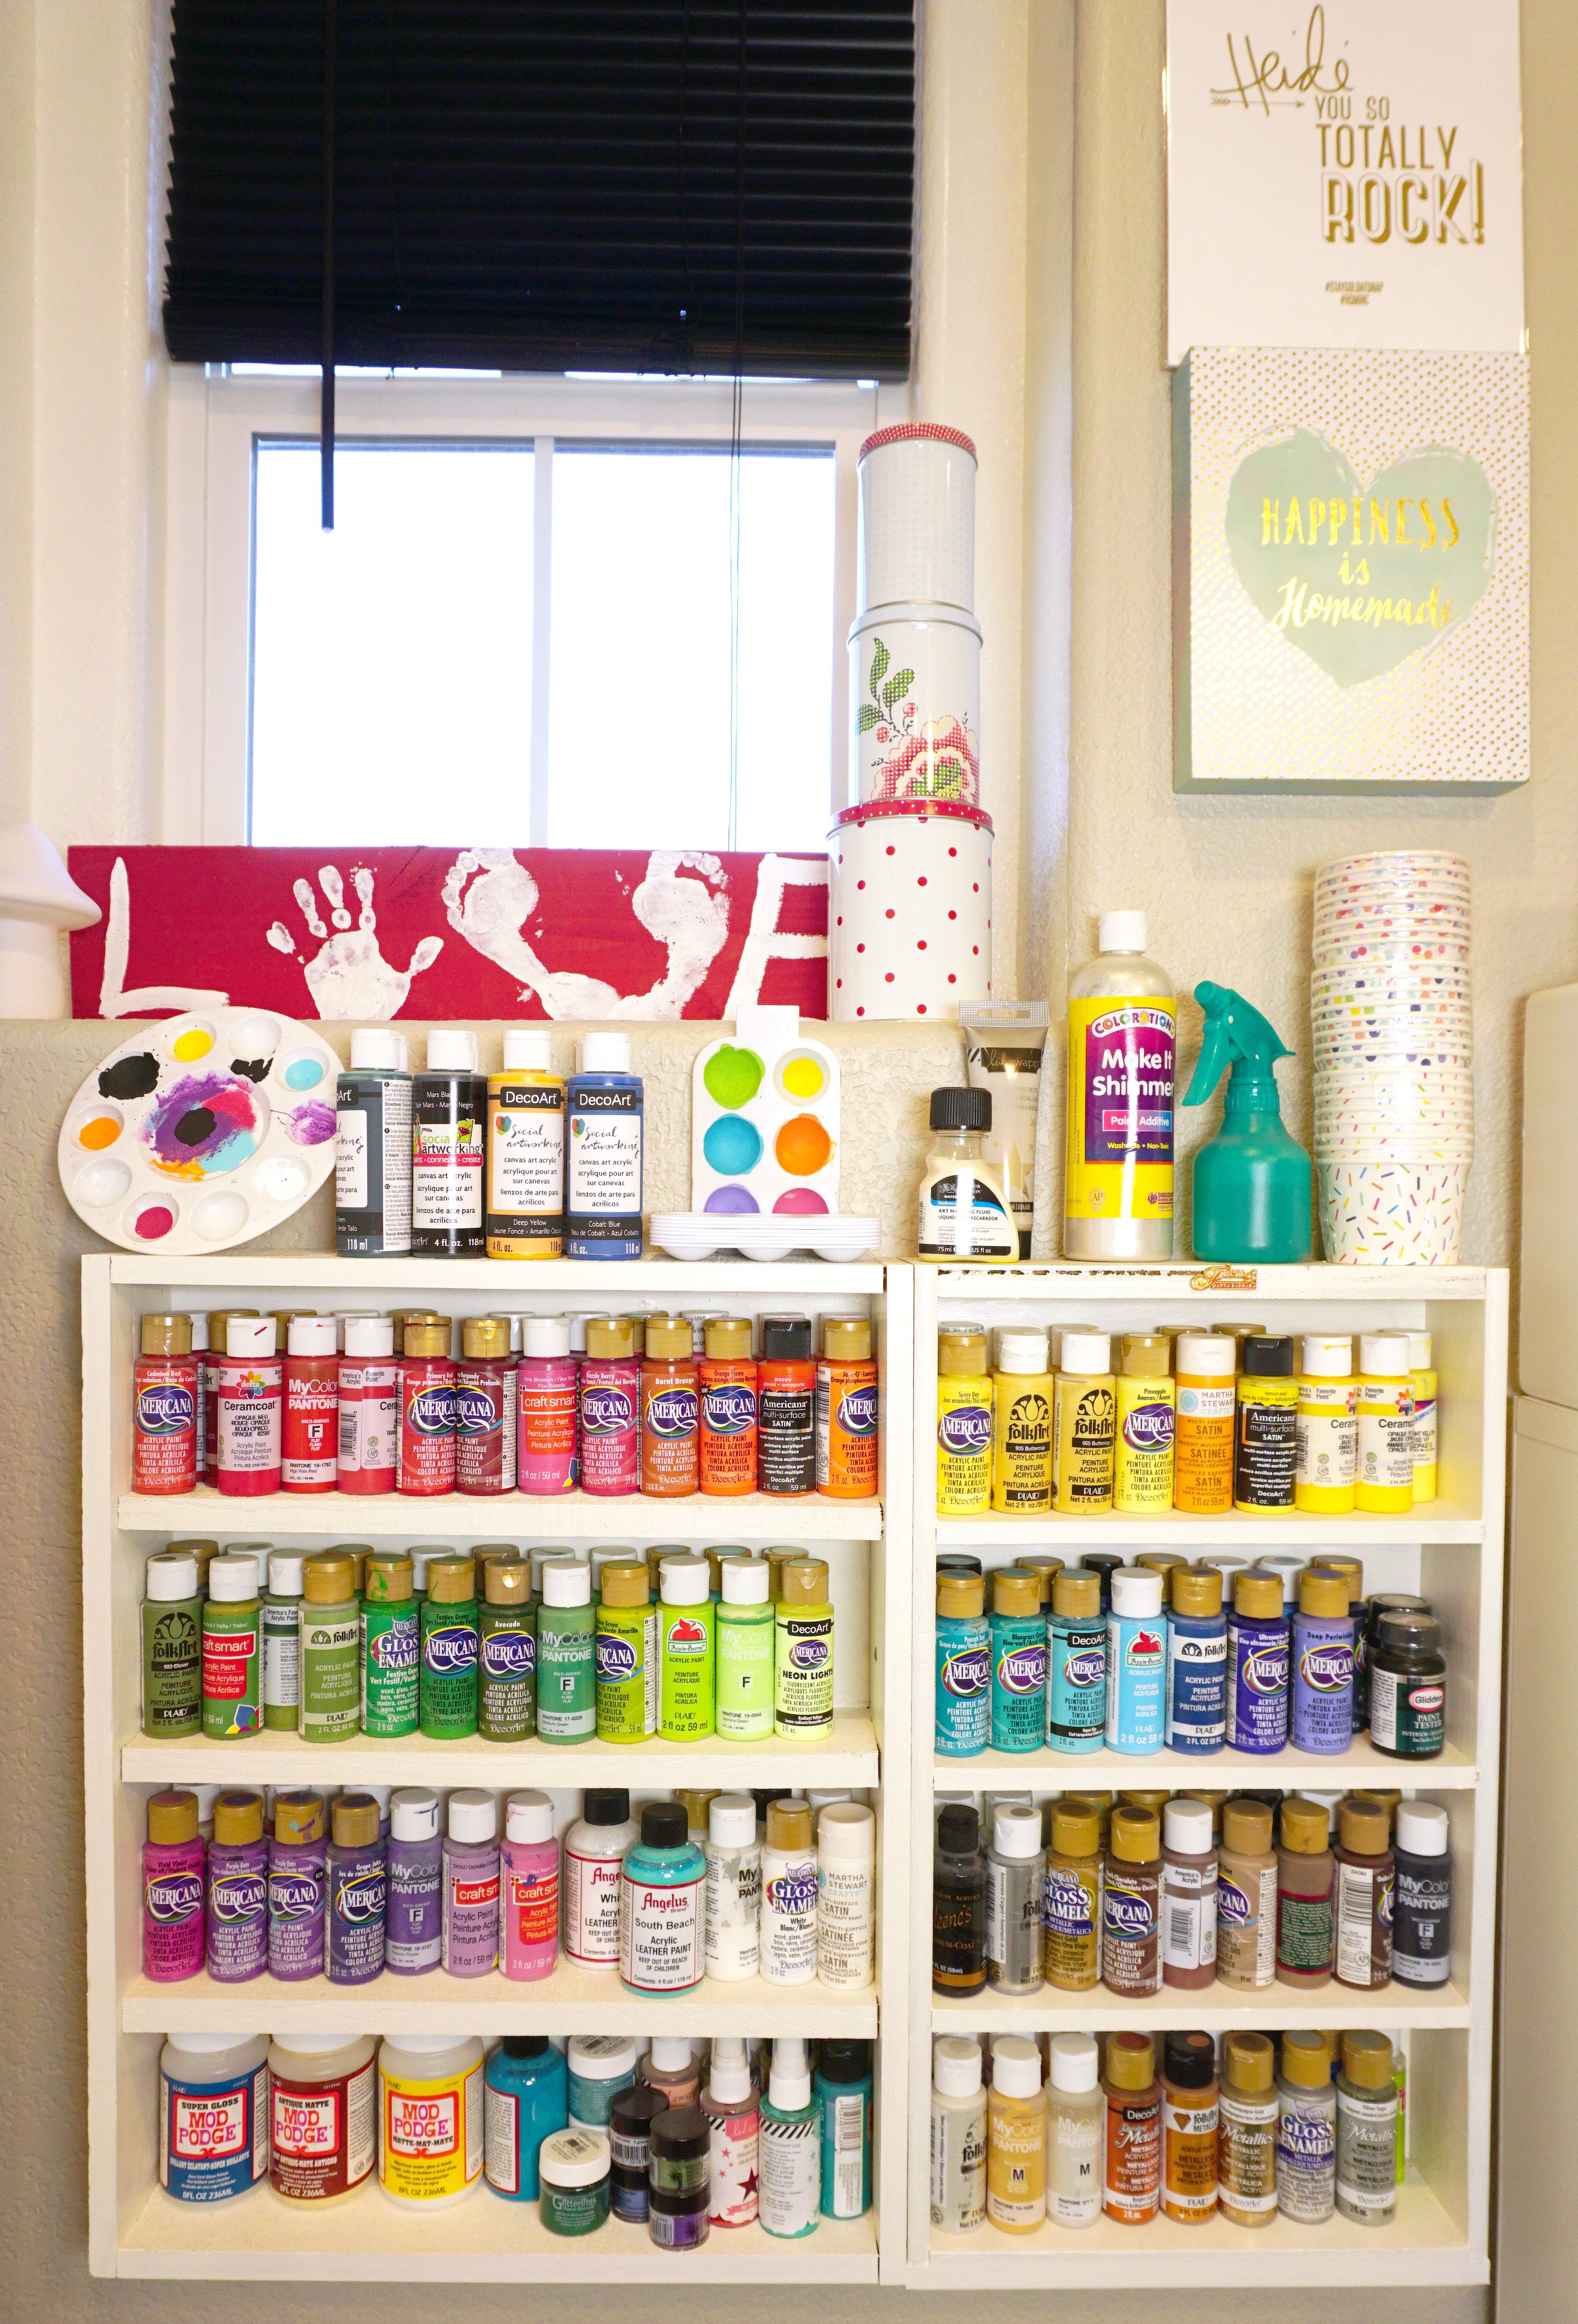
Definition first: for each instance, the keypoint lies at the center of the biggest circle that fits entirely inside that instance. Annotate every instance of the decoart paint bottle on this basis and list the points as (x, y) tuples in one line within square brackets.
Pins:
[(549, 1395), (1196, 1681), (1136, 1663), (448, 1127), (213, 2115), (1071, 1898), (787, 1407), (238, 1948), (485, 1407), (1076, 1665), (1323, 1663), (1246, 2151), (298, 1886), (251, 1381), (790, 2144), (625, 1646), (1306, 2132), (964, 1400), (390, 1647), (1366, 2183), (525, 1150), (172, 1889), (788, 1895), (372, 1148), (669, 1410), (727, 1392), (1144, 1422), (359, 1891), (1257, 1663), (603, 1191), (232, 1644), (802, 1698), (1266, 1425), (526, 2099), (413, 1927), (447, 1679), (471, 1884), (1131, 1961), (963, 1666), (1131, 2176), (165, 1407), (1018, 1661), (745, 1629), (660, 1896), (846, 1410), (610, 1409), (172, 1653)]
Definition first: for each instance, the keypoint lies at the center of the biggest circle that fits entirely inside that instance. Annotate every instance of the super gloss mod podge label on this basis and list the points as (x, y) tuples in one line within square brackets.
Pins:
[(213, 2136), (1119, 1161)]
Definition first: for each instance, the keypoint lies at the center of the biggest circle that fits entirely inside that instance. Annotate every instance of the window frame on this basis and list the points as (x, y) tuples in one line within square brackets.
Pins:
[(217, 419)]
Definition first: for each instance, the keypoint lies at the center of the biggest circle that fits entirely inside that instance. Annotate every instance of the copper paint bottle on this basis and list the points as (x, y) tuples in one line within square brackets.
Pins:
[(1131, 2179), (1189, 2121)]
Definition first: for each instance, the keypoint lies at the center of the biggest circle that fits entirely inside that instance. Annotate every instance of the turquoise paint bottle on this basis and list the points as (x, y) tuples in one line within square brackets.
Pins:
[(661, 1893), (843, 2092), (1076, 1665), (525, 2100), (1136, 1663), (963, 1666), (1018, 1661)]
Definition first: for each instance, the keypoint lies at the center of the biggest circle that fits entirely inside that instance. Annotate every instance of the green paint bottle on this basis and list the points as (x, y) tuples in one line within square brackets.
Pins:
[(391, 1646), (447, 1681), (232, 1658), (802, 1669), (506, 1688), (280, 1618), (685, 1647), (744, 1653), (172, 1646), (331, 1648), (627, 1655), (567, 1654)]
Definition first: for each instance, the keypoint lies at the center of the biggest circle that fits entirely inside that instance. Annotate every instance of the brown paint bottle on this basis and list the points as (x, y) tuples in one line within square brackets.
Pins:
[(1304, 1874), (1189, 2124), (1366, 1871), (1131, 1903)]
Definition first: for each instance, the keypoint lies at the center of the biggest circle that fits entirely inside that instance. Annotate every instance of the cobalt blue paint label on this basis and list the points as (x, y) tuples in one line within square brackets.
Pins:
[(963, 1666), (1257, 1663), (213, 2116), (1196, 1690), (1136, 1663)]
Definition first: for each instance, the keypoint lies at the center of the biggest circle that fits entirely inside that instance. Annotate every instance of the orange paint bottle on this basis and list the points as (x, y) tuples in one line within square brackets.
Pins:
[(846, 1410), (671, 1410), (728, 1407)]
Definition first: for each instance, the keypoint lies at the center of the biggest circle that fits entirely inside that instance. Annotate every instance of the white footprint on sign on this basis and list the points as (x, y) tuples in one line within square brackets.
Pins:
[(349, 977), (490, 896)]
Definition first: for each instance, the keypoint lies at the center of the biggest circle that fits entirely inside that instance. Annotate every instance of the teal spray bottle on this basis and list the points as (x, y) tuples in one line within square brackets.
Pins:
[(1251, 1181)]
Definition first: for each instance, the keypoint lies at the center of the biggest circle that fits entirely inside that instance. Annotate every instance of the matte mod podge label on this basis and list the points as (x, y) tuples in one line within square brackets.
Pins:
[(324, 2134), (431, 2136), (1120, 1110)]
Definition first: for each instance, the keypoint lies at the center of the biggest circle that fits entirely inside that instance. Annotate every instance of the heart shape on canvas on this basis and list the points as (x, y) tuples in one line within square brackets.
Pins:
[(1359, 576)]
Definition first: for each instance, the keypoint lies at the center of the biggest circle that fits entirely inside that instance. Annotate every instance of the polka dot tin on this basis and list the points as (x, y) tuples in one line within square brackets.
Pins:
[(909, 911)]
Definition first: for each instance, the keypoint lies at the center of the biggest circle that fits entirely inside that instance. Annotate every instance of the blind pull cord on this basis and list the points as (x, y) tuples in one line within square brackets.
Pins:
[(325, 386)]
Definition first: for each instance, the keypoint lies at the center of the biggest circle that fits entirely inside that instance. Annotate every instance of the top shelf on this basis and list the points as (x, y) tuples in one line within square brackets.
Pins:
[(1211, 1287), (807, 1278)]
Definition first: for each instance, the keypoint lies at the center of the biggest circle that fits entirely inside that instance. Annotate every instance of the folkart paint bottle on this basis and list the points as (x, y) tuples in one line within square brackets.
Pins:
[(1144, 1422), (1021, 1443), (172, 1656), (525, 1150), (1385, 1402), (626, 1649), (213, 2115), (958, 2136), (506, 1669), (331, 1649), (372, 1148), (1083, 1423), (964, 1423), (279, 1628), (430, 2118), (1076, 1665), (802, 1701), (172, 1889), (165, 1407), (238, 1890), (1189, 2121), (1118, 1175), (298, 1886), (390, 1647), (610, 1407), (846, 1410), (1018, 1661), (1136, 1663), (232, 1643), (963, 1666)]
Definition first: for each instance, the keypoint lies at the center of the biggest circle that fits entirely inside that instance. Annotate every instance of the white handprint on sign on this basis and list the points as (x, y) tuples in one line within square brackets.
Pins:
[(350, 977), (490, 896)]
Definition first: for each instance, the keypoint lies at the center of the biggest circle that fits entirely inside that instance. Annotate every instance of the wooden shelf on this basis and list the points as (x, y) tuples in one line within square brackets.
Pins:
[(1358, 1768), (1216, 2008), (1196, 1283), (498, 1516), (462, 1285), (1179, 1529), (848, 1756)]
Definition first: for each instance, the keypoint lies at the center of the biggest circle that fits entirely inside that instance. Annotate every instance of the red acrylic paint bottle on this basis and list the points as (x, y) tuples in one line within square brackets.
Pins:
[(426, 1456), (165, 1407), (311, 1429), (728, 1407), (671, 1410), (549, 1408), (485, 1407), (369, 1406), (252, 1380), (208, 1364)]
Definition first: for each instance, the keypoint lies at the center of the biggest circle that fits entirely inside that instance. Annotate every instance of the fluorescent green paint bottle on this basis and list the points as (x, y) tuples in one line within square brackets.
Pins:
[(745, 1652)]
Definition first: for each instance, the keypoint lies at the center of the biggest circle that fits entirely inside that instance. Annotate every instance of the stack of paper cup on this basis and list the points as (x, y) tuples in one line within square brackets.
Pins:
[(1391, 1027)]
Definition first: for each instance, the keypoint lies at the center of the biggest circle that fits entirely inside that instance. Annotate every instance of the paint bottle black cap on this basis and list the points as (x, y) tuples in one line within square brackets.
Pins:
[(844, 2062), (633, 2110), (1189, 2060), (680, 2133), (664, 1824), (605, 1807), (786, 1337), (524, 2046), (957, 1560), (960, 1108), (1267, 1357), (958, 1829)]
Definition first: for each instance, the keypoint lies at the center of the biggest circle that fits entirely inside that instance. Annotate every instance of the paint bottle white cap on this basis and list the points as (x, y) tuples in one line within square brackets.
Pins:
[(686, 1582), (420, 1559), (375, 1049), (789, 2087), (413, 1814), (1186, 1826), (730, 1819), (1121, 932), (528, 1815), (1421, 1828), (956, 2066), (233, 1576), (251, 1335), (313, 1335), (1383, 1355), (473, 1815), (745, 1583), (285, 1573), (1016, 1832), (1016, 2066), (169, 1577), (1205, 1355), (569, 1585), (452, 1049), (1073, 2062), (545, 1335), (671, 2054), (1021, 1352), (729, 2078), (1136, 1589), (846, 1833), (316, 2045), (199, 1319), (1086, 1353), (542, 1556), (577, 1324), (369, 1335), (605, 1053), (1327, 1355), (527, 1049)]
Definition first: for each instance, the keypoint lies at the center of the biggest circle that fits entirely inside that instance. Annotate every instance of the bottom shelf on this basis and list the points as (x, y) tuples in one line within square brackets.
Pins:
[(1422, 2245), (483, 2240)]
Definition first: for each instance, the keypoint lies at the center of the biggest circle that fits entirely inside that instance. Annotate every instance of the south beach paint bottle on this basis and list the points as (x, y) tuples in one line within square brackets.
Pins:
[(661, 1916), (165, 1407), (525, 1150)]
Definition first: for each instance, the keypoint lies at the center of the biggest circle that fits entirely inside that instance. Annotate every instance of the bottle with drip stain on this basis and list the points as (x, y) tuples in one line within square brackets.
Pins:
[(448, 1129), (1246, 1897)]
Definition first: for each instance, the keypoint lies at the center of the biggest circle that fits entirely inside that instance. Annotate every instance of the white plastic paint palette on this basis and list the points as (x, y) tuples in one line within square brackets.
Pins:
[(201, 1132), (764, 1122), (702, 1235)]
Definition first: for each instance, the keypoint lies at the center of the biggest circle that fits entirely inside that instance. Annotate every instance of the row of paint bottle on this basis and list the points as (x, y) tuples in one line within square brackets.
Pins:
[(619, 1648), (662, 1406), (1195, 1658), (602, 2128), (1214, 1420), (1297, 2125), (455, 1163), (1186, 1892), (783, 1889)]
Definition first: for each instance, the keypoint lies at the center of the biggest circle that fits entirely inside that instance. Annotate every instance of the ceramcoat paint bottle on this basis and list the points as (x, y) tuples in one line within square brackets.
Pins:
[(369, 1408), (603, 1141), (251, 1393), (524, 1210), (1422, 1387), (963, 1666), (1327, 1426), (1385, 1404), (372, 1149), (172, 1657), (449, 1132)]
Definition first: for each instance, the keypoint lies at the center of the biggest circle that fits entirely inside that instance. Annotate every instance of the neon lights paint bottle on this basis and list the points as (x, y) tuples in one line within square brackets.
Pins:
[(1136, 1663), (471, 1884), (745, 1629), (787, 1406), (566, 1655), (1118, 1174), (846, 1410), (447, 1691), (1197, 1677), (231, 1649), (251, 1379), (548, 1397), (609, 1408), (213, 2115), (1145, 1422), (310, 1427), (449, 1125), (359, 1891), (238, 1920), (173, 1857), (413, 1926), (425, 1443), (802, 1693), (1076, 1665), (172, 1656), (727, 1389), (526, 2099), (392, 1650), (605, 1126), (790, 2144), (298, 1886), (686, 1651), (525, 1150), (506, 1668), (1018, 1661), (485, 1407), (660, 1917), (529, 1887), (165, 1407), (372, 1148)]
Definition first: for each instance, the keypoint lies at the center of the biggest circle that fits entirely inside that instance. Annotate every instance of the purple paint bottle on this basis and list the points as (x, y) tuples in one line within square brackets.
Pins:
[(1257, 1663), (414, 1918), (298, 1886), (1323, 1663), (238, 1890), (471, 1884), (172, 1889), (357, 1888)]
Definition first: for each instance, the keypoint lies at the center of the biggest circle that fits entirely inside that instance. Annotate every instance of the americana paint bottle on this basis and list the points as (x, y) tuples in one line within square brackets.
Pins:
[(1018, 1661), (802, 1690), (369, 1408), (372, 1148), (523, 1216), (1076, 1665), (610, 1409), (506, 1654), (963, 1666), (173, 1859), (392, 1650), (1084, 1410), (1118, 1171), (238, 1916), (1266, 1424), (485, 1407), (602, 1152), (548, 1464), (965, 1404), (726, 1453), (1323, 1663), (165, 1407), (1326, 1424), (232, 1649), (251, 1391), (172, 1654), (1143, 1426), (1021, 1440), (686, 1651), (786, 1408), (1136, 1663), (425, 1388), (213, 2115), (1246, 1897), (846, 1410), (447, 1679), (1258, 1648), (669, 1410), (1132, 1959), (359, 1891), (298, 1886), (745, 1638), (331, 1649)]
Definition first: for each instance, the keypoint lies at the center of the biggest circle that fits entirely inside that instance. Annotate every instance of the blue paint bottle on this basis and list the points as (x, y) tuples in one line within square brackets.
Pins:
[(603, 1146), (1136, 1663), (963, 1666), (1196, 1719), (843, 2092), (1323, 1663), (1076, 1665), (1018, 1661), (1257, 1663), (525, 2100)]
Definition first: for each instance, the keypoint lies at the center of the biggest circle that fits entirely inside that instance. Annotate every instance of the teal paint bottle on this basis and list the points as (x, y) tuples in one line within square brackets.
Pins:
[(525, 2100), (1136, 1663), (1018, 1661), (842, 2091), (1076, 1665), (566, 1655), (963, 1666)]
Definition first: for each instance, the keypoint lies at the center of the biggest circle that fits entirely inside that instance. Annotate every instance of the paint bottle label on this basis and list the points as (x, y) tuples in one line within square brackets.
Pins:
[(786, 1427), (1422, 1920), (529, 1913), (413, 1931), (1408, 1712), (432, 2134), (1188, 1939), (1016, 2164), (610, 1393), (1189, 2135), (309, 1428), (592, 1887), (484, 1429), (1136, 1683), (963, 1216), (847, 1927), (506, 1678), (1246, 1924), (471, 1912), (232, 1669), (626, 1650), (1142, 1479), (1197, 1688), (845, 2156), (280, 1621), (213, 2136), (802, 1687), (789, 1918), (369, 1426), (791, 2192), (847, 1430), (1021, 1445), (358, 1895), (958, 2168), (373, 1167), (1131, 2179), (1070, 1906), (1327, 1434), (1257, 1667), (425, 1440), (566, 1674), (331, 1675), (323, 2133), (251, 1399), (1120, 1136), (604, 1178), (963, 1685), (298, 1901), (733, 2157), (447, 1129), (660, 1934), (164, 1425), (1019, 1681), (731, 1939), (525, 1169), (1083, 1423), (728, 1446), (1366, 2156), (1423, 1389), (391, 1665), (670, 1451), (1386, 1443), (686, 1656), (1203, 1452), (1365, 1904), (1303, 1932), (744, 1677), (447, 1679), (172, 1911), (964, 1446)]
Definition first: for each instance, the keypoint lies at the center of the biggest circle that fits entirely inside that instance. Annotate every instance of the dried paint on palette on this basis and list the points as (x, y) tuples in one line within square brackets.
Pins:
[(204, 1125)]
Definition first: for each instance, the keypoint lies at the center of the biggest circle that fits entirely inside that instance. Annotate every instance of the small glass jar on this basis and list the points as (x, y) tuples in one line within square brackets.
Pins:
[(1407, 1686), (573, 2167), (679, 2141)]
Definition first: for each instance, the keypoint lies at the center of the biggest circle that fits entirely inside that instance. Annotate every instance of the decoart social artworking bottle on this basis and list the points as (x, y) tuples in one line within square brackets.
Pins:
[(604, 1140), (524, 1210)]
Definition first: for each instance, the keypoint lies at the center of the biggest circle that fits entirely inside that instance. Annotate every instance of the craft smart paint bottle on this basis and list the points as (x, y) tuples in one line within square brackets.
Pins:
[(727, 1402), (1136, 1663), (963, 1666), (1024, 1391), (790, 2144), (231, 1649), (525, 2097), (1323, 1663), (802, 1689), (1246, 1897), (298, 1886), (173, 1857), (786, 1408), (173, 1650), (1189, 2113), (1305, 1877), (1076, 1663), (524, 1213), (431, 2118), (1197, 1676), (414, 1922), (471, 1884), (686, 1651), (1384, 1406), (1246, 2145), (958, 2136), (1131, 1957), (359, 1891), (449, 1130), (1327, 1426), (548, 1466), (323, 2115), (213, 2115), (1203, 1464), (1131, 2171), (165, 1415), (369, 1408), (1071, 1899), (529, 1899), (251, 1392), (372, 1148), (237, 1919), (603, 1172), (1018, 1661), (1118, 1173), (1257, 1643), (661, 1906), (745, 1639)]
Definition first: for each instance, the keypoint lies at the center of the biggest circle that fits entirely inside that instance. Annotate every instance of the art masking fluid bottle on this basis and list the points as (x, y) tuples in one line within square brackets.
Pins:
[(964, 1211), (964, 1401), (1118, 1175), (602, 1170), (1326, 1425), (1016, 2137), (958, 2136), (372, 1148), (1423, 1389), (524, 1213), (1144, 1424), (1022, 1437)]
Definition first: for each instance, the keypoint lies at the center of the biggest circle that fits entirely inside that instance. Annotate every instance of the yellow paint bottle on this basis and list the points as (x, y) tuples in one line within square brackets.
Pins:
[(1022, 1432), (1423, 1381), (1205, 1364), (964, 1423), (1384, 1403), (1083, 1425), (1016, 2137), (525, 1202), (1323, 1479), (1142, 1471)]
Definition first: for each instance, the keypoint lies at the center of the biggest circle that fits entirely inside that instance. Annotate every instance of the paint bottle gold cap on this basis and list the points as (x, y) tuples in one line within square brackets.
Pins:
[(167, 1335), (961, 1352), (172, 1817), (1307, 1828), (1321, 1591), (329, 1579), (1331, 1561), (354, 1819), (1390, 1800), (1246, 1827), (507, 1582), (1048, 1565), (429, 1339), (1147, 1355), (1076, 1594), (728, 1335), (1367, 2059), (789, 1823), (1135, 1835), (1154, 1801), (670, 1338), (1256, 1592), (1075, 1831), (696, 1804), (1305, 2061), (803, 1582), (485, 1335), (846, 1338), (298, 1816), (388, 1578), (452, 1580), (1363, 1826), (627, 1584), (239, 1819), (1248, 2062), (1016, 1591), (961, 1595), (609, 1337), (1130, 2061), (1197, 1589)]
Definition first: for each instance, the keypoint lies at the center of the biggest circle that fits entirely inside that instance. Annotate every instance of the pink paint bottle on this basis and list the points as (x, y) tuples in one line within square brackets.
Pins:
[(611, 1377), (470, 1876), (547, 1464), (174, 1930), (369, 1406), (251, 1381), (530, 1887)]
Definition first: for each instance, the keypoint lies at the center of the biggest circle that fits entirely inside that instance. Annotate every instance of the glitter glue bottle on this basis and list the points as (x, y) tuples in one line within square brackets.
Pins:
[(790, 2148), (413, 1926), (963, 1666), (471, 1884), (661, 1916), (566, 1654), (525, 1150), (728, 1407), (369, 1406), (359, 1891), (425, 1442), (744, 1651), (372, 1148), (172, 1889), (549, 1396), (310, 1429), (669, 1410), (231, 1649), (526, 2100), (449, 1125), (609, 1408), (172, 1654), (485, 1407), (237, 1944), (165, 1407), (298, 1886), (802, 1694), (732, 2107), (528, 1875), (252, 1380), (603, 1186)]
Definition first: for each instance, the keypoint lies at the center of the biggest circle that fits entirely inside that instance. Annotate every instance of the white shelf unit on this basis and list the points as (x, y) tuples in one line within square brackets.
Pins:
[(1450, 1551), (136, 2230)]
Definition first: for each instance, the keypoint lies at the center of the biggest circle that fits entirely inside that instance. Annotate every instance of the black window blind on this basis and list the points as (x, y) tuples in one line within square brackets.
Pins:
[(515, 184)]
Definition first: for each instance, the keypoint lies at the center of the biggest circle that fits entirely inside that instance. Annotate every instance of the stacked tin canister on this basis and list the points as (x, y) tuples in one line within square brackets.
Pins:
[(911, 863)]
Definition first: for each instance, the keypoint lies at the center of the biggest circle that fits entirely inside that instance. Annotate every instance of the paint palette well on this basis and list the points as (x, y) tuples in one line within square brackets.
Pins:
[(765, 1121), (771, 1235), (201, 1131)]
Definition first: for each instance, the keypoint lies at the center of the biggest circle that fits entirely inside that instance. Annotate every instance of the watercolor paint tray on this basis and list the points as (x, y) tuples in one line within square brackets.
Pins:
[(201, 1132), (767, 1236), (764, 1105)]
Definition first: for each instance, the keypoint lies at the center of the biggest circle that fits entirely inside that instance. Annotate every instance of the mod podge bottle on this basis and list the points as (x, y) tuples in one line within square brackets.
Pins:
[(1118, 1177)]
